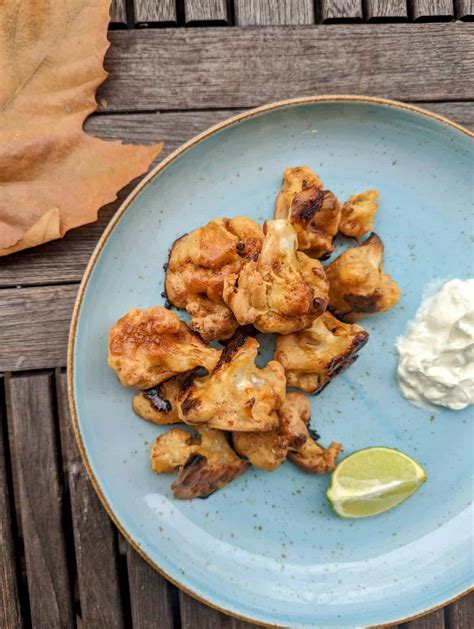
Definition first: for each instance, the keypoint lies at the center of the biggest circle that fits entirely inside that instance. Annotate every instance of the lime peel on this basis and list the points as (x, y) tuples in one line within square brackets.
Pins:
[(373, 480)]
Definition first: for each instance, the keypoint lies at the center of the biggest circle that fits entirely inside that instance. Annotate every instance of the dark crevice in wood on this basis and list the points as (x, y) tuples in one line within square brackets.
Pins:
[(386, 20), (175, 607), (427, 19), (204, 23), (49, 283), (64, 486), (230, 13), (157, 25), (123, 580), (117, 27), (18, 545), (130, 8), (180, 13), (343, 20)]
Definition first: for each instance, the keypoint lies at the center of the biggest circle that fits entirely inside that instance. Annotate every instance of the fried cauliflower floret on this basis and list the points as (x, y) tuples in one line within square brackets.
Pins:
[(237, 395), (357, 214), (268, 450), (313, 357), (357, 284), (295, 179), (313, 457), (206, 463), (283, 291), (313, 212), (147, 347), (197, 266)]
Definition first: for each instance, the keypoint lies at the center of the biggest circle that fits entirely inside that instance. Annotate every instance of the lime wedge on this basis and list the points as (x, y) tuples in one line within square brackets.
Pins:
[(372, 481)]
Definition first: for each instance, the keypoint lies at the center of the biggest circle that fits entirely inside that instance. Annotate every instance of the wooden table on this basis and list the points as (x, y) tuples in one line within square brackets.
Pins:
[(177, 68)]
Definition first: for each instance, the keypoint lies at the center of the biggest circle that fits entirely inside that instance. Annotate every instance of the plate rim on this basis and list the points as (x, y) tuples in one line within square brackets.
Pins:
[(326, 98)]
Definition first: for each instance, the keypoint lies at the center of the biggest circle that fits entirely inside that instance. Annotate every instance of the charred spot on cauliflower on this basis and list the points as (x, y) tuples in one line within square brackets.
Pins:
[(147, 347), (313, 357), (237, 395), (357, 214), (283, 291), (197, 266), (358, 285), (313, 212), (206, 463), (160, 404)]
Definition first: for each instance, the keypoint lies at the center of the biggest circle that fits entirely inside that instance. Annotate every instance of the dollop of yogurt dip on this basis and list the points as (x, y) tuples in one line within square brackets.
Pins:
[(436, 355)]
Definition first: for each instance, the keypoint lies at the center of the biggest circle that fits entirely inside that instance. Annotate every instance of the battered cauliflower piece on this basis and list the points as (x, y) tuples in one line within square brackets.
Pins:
[(268, 450), (313, 357), (357, 214), (198, 265), (283, 291), (160, 404), (147, 347), (237, 395), (206, 463), (313, 212), (357, 284), (313, 457), (295, 179)]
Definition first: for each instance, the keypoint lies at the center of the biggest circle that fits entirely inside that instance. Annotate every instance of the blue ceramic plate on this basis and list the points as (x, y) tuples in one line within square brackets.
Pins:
[(268, 547)]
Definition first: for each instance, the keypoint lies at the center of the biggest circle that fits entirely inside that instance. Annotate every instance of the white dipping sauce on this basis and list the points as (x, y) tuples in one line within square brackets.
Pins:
[(436, 355)]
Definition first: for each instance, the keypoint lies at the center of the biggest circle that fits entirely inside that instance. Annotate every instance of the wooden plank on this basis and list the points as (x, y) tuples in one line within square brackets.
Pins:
[(181, 69), (387, 9), (41, 501), (435, 620), (460, 614), (432, 9), (10, 610), (464, 9), (64, 260), (273, 12), (155, 12), (150, 595), (194, 614), (196, 11), (94, 538), (34, 324), (335, 10), (118, 12)]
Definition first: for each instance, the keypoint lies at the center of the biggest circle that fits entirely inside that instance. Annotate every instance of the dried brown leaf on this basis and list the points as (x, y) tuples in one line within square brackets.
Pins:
[(53, 176)]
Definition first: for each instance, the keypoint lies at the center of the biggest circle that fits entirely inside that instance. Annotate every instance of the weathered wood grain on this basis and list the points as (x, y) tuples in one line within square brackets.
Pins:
[(64, 260), (118, 12), (464, 9), (432, 9), (334, 10), (194, 614), (273, 12), (387, 9), (155, 11), (41, 500), (150, 595), (460, 614), (435, 620), (34, 325), (94, 541), (162, 69), (10, 610), (196, 11)]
